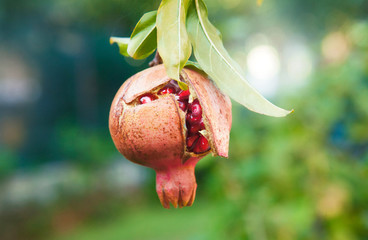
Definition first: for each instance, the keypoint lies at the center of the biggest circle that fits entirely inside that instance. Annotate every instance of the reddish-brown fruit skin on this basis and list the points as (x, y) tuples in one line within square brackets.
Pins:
[(153, 134)]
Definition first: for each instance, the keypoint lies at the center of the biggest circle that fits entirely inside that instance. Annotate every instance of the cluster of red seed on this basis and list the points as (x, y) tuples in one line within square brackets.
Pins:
[(195, 141)]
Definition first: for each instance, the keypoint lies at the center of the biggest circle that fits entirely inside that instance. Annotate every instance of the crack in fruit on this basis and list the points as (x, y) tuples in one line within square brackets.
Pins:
[(194, 119)]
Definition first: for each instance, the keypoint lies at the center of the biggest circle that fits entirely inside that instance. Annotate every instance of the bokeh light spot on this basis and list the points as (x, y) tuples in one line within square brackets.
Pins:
[(263, 62)]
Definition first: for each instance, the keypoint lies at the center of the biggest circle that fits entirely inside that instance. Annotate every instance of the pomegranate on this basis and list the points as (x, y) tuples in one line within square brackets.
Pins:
[(156, 124)]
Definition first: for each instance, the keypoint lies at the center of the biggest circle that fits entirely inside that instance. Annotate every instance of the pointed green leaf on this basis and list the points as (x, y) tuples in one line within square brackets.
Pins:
[(122, 44), (173, 42), (217, 63), (143, 40), (183, 85)]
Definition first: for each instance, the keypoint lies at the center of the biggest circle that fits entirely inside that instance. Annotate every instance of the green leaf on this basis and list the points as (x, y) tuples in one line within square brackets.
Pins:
[(183, 85), (217, 63), (195, 66), (173, 42), (143, 40), (122, 43)]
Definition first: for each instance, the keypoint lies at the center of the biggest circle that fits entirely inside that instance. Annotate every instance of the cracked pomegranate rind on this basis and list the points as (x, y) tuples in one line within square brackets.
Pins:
[(156, 124), (217, 114)]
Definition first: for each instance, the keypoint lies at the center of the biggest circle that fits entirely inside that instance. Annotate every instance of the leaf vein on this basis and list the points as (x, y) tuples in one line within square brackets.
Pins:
[(211, 43)]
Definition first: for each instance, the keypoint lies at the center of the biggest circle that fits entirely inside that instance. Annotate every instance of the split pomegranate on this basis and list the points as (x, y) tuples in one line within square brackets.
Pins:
[(156, 124)]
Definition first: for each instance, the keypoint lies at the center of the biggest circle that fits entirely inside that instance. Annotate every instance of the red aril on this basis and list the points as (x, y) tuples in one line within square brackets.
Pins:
[(192, 119), (196, 127), (183, 105), (166, 90), (147, 98), (201, 145), (191, 140), (195, 108), (183, 95)]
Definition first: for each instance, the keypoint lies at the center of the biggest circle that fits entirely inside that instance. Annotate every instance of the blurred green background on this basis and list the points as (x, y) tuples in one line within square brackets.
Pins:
[(300, 177)]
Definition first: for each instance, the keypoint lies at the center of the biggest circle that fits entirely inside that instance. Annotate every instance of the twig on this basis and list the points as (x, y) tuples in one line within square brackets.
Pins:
[(156, 60)]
